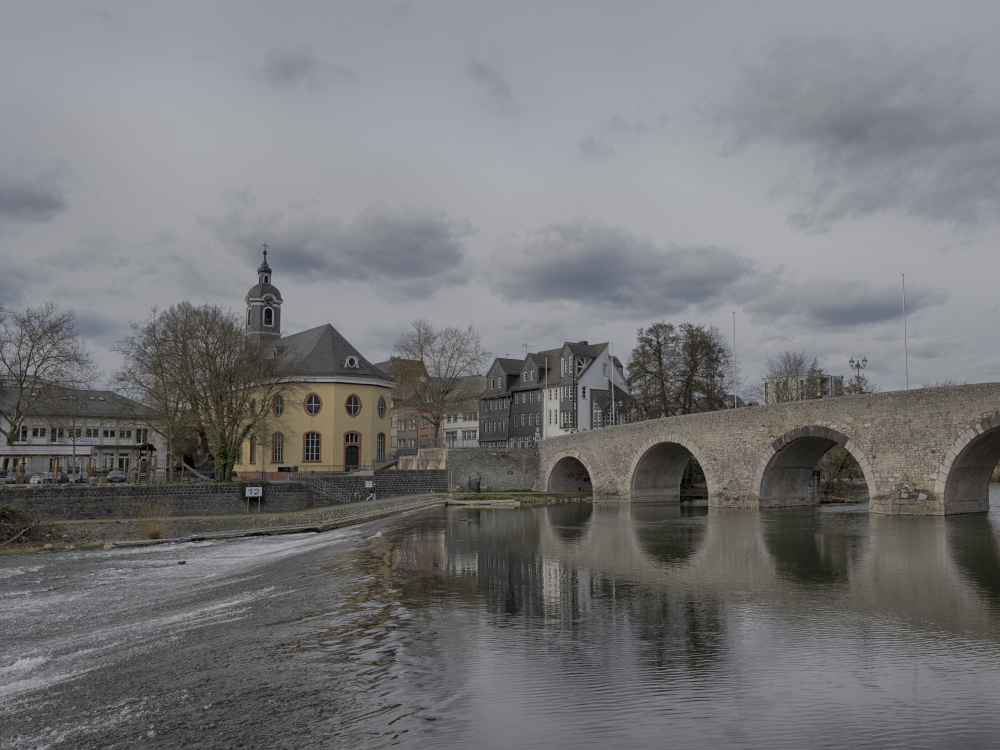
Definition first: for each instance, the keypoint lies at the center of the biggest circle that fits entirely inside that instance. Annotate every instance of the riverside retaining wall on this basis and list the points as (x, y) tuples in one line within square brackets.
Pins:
[(499, 470), (66, 501)]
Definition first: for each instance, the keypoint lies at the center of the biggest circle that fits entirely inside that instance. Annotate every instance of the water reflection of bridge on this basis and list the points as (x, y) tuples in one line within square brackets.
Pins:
[(558, 561)]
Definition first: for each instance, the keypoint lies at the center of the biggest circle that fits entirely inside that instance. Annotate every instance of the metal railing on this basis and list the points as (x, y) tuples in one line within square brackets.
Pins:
[(328, 488), (445, 442)]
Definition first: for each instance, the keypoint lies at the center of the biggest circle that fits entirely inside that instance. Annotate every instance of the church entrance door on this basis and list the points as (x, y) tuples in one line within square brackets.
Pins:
[(351, 454)]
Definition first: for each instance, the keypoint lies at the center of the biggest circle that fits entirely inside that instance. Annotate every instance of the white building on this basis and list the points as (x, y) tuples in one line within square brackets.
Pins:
[(83, 430)]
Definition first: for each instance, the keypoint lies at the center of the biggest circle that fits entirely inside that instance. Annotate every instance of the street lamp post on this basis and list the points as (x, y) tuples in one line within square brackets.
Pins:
[(859, 365)]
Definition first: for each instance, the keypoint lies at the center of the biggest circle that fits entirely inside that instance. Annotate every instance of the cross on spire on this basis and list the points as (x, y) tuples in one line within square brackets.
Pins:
[(265, 250)]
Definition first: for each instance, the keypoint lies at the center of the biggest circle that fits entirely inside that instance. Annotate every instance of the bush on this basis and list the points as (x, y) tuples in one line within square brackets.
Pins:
[(151, 516), (17, 525)]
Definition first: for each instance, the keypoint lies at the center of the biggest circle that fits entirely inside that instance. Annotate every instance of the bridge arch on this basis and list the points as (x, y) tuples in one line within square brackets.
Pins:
[(784, 472), (569, 473), (963, 479), (658, 467)]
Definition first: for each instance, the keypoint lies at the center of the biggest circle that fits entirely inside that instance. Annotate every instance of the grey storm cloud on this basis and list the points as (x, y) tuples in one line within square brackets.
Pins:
[(837, 303), (298, 67), (603, 143), (406, 252), (34, 198), (95, 326), (498, 92), (583, 260), (882, 129)]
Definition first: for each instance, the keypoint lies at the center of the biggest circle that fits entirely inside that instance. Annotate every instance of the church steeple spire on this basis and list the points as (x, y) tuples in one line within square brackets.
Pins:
[(264, 304)]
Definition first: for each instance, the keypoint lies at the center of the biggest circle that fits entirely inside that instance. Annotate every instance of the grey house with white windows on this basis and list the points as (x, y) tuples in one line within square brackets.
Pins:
[(552, 392), (495, 403), (85, 430)]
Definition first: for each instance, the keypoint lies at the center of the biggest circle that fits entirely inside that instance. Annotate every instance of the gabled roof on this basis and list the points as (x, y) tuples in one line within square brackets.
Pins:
[(584, 349), (509, 366), (323, 352), (83, 403)]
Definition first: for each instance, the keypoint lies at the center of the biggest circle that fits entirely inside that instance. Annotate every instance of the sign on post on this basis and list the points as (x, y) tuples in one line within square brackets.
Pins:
[(257, 492)]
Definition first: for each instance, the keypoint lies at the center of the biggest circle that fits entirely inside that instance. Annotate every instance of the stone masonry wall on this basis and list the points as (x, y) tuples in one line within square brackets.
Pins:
[(500, 470), (905, 441), (391, 483), (122, 500)]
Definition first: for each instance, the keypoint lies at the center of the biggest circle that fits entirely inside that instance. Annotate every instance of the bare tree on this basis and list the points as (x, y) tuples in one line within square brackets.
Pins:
[(860, 384), (944, 383), (678, 369), (199, 372), (789, 376), (40, 354), (703, 368), (650, 371), (436, 368), (152, 380)]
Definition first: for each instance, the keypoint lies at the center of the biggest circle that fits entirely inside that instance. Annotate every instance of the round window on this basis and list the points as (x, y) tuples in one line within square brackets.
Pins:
[(313, 404), (352, 361), (353, 405), (279, 405), (381, 406)]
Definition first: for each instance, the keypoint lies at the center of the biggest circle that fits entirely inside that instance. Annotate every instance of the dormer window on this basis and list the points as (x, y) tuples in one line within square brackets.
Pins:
[(351, 362)]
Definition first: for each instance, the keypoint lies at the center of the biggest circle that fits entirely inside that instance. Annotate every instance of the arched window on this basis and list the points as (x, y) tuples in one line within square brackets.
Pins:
[(310, 447), (253, 450), (268, 316), (277, 448), (279, 405), (353, 405), (248, 316), (313, 404), (380, 445), (381, 407)]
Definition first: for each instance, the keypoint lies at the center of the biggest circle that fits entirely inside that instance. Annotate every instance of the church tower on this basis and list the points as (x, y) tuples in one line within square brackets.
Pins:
[(264, 304)]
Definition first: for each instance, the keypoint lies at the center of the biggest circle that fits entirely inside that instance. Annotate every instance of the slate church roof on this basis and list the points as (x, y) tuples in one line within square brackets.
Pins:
[(323, 353)]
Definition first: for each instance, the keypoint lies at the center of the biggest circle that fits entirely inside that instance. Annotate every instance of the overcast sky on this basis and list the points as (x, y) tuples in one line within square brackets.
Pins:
[(549, 171)]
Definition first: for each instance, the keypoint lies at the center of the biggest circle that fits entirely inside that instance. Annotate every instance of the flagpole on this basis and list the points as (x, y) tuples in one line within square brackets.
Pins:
[(906, 356), (735, 401)]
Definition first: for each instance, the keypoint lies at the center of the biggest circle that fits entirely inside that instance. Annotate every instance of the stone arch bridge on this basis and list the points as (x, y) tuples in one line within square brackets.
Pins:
[(923, 452)]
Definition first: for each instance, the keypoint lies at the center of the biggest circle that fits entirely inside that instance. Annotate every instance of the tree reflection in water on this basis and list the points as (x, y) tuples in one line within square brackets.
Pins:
[(814, 548), (496, 561)]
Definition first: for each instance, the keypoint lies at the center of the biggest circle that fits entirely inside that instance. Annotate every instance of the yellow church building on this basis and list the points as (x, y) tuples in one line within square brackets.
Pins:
[(338, 419)]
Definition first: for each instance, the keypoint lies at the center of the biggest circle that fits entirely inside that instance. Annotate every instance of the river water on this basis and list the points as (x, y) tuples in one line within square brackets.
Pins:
[(572, 625)]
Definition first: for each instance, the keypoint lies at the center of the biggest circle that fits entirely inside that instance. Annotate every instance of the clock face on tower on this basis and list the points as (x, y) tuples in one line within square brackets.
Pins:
[(269, 300)]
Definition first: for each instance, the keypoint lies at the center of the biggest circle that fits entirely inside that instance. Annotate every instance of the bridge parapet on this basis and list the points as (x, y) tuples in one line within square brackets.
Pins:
[(922, 452)]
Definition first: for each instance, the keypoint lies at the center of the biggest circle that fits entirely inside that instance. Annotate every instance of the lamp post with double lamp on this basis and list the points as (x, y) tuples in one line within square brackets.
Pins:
[(859, 365)]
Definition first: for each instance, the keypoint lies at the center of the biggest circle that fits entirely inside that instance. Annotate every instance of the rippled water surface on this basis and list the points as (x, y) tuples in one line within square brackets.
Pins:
[(571, 625)]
